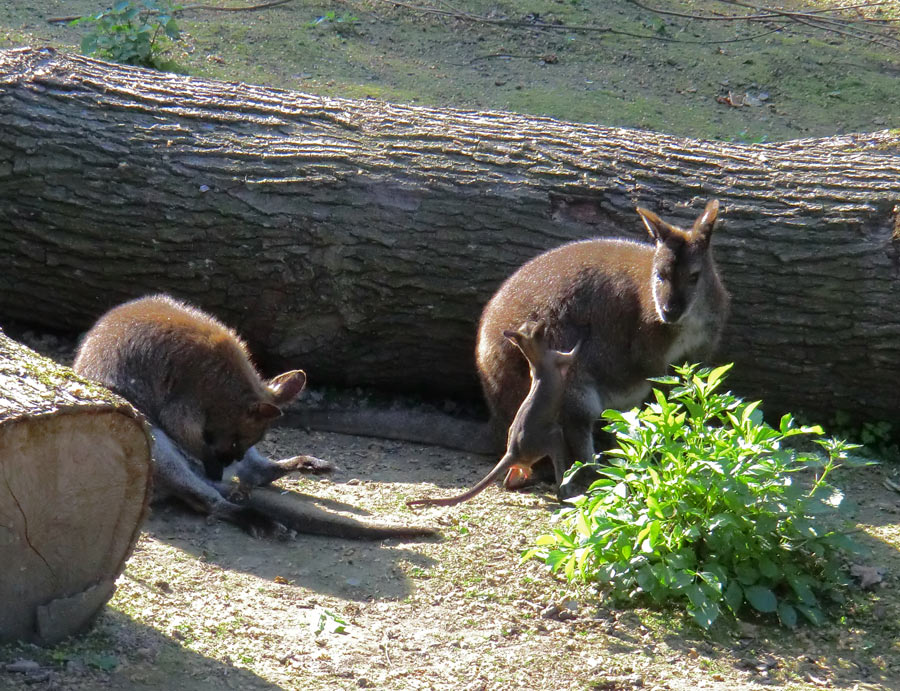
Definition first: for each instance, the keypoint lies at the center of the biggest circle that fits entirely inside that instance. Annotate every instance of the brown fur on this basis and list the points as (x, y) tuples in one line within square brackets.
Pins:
[(189, 374), (192, 377), (535, 432), (635, 308)]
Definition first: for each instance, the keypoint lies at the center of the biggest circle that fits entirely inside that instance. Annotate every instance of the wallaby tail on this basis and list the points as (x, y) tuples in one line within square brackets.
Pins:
[(503, 464), (296, 512), (406, 425)]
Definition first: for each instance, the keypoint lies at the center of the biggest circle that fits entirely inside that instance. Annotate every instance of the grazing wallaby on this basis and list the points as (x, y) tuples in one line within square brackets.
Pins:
[(193, 379), (535, 432), (634, 308)]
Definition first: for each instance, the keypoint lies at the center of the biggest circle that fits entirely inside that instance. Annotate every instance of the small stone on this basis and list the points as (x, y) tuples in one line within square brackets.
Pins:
[(37, 678), (550, 612), (23, 667)]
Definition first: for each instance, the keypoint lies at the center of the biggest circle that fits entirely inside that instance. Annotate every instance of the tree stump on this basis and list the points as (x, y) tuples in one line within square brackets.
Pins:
[(360, 240), (74, 486)]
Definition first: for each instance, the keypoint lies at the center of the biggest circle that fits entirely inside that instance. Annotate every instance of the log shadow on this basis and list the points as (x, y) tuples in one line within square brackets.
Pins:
[(123, 654)]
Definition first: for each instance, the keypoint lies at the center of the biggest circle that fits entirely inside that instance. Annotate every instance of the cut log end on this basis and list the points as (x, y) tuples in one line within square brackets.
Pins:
[(74, 487)]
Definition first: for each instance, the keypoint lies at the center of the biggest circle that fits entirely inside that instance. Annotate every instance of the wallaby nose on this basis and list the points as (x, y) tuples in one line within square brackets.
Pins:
[(672, 313)]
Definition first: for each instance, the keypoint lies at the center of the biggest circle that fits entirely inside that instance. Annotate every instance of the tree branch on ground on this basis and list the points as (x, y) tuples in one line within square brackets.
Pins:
[(820, 19), (208, 8), (537, 24)]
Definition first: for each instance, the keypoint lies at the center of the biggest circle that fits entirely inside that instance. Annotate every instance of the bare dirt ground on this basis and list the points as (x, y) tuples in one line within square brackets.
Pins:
[(203, 607)]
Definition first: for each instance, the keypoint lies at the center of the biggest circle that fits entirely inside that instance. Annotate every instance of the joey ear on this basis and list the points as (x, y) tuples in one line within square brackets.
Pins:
[(538, 330), (286, 387), (512, 336), (703, 226), (659, 230), (265, 411), (565, 360), (572, 354)]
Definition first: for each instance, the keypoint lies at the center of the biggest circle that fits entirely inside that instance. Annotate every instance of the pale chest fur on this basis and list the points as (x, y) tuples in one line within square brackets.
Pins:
[(696, 334)]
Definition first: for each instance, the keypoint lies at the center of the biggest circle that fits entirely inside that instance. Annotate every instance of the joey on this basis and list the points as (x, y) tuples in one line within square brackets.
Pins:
[(535, 432)]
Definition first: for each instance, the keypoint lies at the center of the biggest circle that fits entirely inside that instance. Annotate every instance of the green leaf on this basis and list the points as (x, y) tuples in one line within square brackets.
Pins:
[(172, 30), (734, 596), (803, 591), (813, 614), (716, 375), (746, 574), (762, 599), (325, 621), (788, 615), (769, 568), (706, 614), (89, 44)]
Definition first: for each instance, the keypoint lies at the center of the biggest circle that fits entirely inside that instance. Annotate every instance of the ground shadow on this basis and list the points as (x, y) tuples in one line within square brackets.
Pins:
[(121, 654), (349, 569)]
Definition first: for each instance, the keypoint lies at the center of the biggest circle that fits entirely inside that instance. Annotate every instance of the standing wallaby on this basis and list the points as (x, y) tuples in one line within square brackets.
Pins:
[(535, 432), (191, 376), (634, 308)]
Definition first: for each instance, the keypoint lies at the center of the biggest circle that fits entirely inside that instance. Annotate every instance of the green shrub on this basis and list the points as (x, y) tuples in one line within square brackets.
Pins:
[(132, 32), (701, 505)]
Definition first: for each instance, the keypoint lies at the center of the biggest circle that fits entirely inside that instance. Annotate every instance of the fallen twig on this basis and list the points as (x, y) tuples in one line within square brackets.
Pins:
[(842, 27), (185, 8), (515, 23)]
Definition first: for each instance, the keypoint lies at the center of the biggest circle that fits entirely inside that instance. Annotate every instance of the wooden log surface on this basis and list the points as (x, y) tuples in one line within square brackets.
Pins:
[(74, 485), (360, 240)]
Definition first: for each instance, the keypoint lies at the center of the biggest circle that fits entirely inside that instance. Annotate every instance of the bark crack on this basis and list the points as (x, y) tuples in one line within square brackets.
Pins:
[(25, 529)]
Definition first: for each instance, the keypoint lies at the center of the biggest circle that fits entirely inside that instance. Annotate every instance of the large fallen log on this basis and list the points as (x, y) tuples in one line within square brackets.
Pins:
[(74, 486), (359, 240)]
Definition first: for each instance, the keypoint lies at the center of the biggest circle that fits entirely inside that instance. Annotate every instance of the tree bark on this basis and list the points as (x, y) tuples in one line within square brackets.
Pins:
[(360, 240), (74, 486)]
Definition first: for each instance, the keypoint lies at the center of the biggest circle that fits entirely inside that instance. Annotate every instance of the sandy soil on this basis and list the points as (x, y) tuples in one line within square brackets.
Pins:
[(204, 606)]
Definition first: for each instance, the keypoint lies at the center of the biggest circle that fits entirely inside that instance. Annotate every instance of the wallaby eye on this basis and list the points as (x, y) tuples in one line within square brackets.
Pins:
[(661, 277)]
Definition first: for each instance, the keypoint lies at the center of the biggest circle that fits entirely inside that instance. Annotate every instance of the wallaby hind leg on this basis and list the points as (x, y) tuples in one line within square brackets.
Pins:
[(255, 470), (175, 476), (581, 408), (580, 413)]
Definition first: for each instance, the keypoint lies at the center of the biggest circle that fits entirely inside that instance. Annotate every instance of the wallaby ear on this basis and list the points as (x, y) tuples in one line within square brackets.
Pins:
[(703, 226), (286, 387), (659, 230), (265, 411)]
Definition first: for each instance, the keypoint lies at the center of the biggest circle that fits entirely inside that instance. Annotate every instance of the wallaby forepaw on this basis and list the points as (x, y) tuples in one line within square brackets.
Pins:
[(306, 464), (238, 493)]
